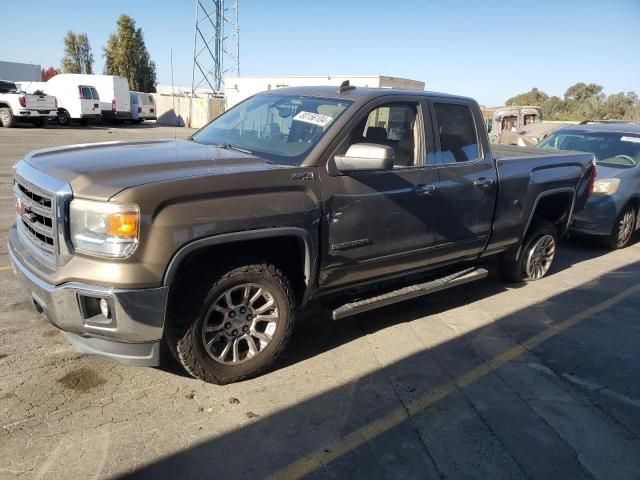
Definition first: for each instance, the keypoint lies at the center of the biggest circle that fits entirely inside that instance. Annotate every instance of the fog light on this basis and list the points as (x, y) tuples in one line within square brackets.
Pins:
[(104, 308)]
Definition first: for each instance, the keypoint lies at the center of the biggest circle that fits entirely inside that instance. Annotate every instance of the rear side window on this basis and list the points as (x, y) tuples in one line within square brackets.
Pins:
[(94, 94), (86, 93), (457, 133)]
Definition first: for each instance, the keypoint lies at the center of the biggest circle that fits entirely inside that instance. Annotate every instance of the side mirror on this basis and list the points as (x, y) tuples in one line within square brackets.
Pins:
[(368, 157)]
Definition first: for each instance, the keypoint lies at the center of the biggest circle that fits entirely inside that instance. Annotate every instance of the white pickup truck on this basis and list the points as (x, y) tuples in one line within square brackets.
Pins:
[(16, 105)]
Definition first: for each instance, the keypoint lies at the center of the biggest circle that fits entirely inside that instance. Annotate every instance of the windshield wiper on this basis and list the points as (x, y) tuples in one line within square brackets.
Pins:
[(228, 146)]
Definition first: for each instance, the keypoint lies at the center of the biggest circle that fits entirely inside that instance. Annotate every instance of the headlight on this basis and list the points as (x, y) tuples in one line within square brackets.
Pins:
[(606, 186), (103, 228)]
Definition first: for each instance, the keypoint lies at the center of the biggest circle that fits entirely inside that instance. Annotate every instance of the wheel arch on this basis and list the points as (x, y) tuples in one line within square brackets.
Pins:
[(258, 244), (554, 205)]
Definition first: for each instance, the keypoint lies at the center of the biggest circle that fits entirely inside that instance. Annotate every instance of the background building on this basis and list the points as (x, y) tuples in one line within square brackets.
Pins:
[(237, 89), (19, 71)]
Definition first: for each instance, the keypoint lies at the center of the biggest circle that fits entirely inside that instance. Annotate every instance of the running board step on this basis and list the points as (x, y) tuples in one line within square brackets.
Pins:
[(411, 291)]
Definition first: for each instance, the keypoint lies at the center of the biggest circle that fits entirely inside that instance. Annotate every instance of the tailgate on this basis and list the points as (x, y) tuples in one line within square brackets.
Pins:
[(40, 102)]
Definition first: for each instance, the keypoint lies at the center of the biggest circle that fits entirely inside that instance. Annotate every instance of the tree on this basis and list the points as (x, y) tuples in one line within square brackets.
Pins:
[(126, 55), (48, 73), (582, 101), (77, 54), (581, 91), (534, 97)]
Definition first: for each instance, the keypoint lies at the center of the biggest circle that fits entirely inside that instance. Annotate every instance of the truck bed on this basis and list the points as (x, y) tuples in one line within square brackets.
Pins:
[(501, 152)]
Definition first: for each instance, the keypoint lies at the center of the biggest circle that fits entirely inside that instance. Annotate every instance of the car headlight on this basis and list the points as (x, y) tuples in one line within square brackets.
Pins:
[(104, 228), (606, 186)]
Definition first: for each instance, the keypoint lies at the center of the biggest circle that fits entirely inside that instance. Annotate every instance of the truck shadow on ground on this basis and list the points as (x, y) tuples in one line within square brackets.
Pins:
[(472, 414)]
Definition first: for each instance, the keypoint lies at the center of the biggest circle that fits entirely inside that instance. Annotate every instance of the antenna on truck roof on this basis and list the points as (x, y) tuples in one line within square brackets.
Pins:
[(346, 86)]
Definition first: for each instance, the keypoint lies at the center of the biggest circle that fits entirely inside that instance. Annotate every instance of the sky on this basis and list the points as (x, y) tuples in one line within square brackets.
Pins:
[(489, 50)]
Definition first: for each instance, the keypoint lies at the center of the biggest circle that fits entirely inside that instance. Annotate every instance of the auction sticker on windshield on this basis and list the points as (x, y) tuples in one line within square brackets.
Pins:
[(314, 118), (630, 139)]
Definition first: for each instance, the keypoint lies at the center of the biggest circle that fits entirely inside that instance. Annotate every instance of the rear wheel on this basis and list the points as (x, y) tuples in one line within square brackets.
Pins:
[(63, 117), (237, 329), (6, 118), (623, 228), (536, 255)]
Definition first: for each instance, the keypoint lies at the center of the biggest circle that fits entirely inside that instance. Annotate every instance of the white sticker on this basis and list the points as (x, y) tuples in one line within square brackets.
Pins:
[(314, 118), (630, 139)]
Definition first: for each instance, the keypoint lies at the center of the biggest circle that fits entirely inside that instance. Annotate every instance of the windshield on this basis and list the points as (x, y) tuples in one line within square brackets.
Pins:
[(8, 87), (612, 149), (280, 128)]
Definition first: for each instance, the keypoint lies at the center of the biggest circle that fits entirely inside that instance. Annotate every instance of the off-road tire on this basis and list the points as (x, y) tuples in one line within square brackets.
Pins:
[(6, 118), (515, 271), (613, 241), (183, 331)]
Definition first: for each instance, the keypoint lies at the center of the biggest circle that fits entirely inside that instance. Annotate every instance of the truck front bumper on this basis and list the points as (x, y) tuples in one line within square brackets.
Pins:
[(132, 332)]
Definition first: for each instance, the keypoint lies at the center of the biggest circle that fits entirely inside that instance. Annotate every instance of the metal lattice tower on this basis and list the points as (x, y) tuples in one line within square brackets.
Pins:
[(216, 44)]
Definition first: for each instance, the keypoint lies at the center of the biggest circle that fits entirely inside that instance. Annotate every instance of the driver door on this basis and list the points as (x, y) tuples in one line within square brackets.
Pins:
[(379, 223)]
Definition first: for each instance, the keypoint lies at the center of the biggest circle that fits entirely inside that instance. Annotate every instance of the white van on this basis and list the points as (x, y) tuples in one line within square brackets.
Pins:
[(112, 90), (143, 107), (76, 100)]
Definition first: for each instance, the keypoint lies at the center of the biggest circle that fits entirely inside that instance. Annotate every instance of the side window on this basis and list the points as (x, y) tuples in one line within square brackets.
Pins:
[(94, 93), (86, 93), (394, 125), (457, 132)]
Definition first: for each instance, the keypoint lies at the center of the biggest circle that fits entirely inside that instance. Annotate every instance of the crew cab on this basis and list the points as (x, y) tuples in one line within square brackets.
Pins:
[(16, 105), (353, 197)]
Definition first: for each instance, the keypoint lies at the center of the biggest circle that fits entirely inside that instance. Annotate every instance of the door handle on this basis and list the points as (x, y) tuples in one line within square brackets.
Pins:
[(483, 182), (425, 189)]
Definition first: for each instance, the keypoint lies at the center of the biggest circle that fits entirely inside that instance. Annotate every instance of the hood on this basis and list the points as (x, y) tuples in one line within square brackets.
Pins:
[(605, 171), (100, 170)]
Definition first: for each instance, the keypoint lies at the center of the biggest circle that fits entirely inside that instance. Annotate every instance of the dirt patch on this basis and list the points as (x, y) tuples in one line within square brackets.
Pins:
[(82, 380), (8, 396), (50, 333)]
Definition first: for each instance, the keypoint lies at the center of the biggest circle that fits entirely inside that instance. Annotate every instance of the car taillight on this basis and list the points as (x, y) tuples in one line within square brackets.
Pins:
[(113, 105), (22, 100), (592, 182)]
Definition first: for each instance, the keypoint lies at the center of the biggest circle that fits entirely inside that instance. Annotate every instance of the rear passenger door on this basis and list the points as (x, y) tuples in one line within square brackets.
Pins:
[(468, 180)]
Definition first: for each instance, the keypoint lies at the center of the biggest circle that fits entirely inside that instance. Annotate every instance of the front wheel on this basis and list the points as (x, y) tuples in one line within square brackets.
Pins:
[(238, 328), (623, 228), (536, 255)]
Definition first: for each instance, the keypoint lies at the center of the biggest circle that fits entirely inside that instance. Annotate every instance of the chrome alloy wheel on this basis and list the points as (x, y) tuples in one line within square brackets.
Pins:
[(625, 227), (540, 257), (240, 324)]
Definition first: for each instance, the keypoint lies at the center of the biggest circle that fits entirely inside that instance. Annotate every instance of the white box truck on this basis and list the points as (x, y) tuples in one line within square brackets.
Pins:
[(76, 100), (112, 90)]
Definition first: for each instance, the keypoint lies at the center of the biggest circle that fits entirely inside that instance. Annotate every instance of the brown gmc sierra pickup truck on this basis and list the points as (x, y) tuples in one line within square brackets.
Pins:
[(369, 196)]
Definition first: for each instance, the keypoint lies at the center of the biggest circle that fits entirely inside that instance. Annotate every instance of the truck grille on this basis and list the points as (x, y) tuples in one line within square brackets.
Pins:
[(36, 216)]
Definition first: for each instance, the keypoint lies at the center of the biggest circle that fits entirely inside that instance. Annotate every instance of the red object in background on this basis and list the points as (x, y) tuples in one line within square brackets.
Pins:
[(48, 73), (113, 105)]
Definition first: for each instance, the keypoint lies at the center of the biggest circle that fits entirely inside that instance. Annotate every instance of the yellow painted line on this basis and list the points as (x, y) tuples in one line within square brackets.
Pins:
[(6, 267), (344, 445)]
